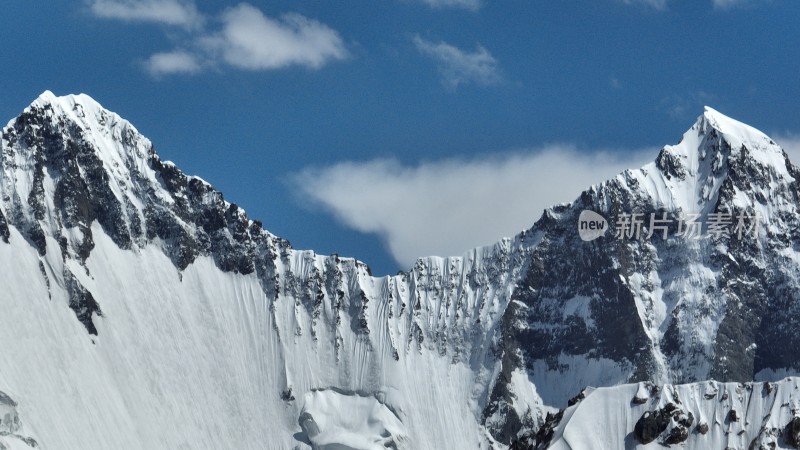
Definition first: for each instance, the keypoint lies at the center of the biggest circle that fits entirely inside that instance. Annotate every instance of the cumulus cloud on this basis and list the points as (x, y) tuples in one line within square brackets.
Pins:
[(250, 40), (471, 5), (447, 207), (244, 38), (172, 62), (458, 66), (181, 13)]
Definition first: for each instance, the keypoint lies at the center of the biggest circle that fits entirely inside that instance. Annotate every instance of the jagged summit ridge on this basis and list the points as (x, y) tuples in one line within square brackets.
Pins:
[(68, 161), (68, 164)]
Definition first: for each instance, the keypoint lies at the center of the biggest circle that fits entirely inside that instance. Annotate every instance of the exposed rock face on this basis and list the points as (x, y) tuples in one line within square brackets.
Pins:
[(667, 310), (792, 432), (650, 426), (653, 424)]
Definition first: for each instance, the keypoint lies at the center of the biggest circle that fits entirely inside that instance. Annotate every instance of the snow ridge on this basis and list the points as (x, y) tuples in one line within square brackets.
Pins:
[(706, 415)]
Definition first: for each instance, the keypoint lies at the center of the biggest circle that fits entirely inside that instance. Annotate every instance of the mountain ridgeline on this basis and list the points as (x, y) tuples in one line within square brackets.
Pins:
[(139, 305)]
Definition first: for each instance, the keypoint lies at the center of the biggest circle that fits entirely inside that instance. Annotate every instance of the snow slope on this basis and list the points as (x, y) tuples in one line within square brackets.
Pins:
[(13, 435), (714, 415)]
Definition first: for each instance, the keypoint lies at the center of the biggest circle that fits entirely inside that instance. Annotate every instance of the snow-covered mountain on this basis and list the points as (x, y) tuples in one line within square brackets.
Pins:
[(140, 309)]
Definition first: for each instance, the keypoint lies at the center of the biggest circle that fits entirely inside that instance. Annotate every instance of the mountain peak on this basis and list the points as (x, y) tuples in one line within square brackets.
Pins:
[(82, 110), (49, 98), (70, 169), (690, 174), (68, 162), (45, 97), (717, 136), (735, 132)]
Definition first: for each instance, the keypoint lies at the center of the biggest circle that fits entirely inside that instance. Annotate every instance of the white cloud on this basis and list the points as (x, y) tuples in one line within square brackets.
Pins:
[(181, 13), (656, 4), (685, 106), (471, 5), (250, 40), (458, 66), (790, 143), (245, 38), (718, 4), (447, 207), (729, 4), (171, 63)]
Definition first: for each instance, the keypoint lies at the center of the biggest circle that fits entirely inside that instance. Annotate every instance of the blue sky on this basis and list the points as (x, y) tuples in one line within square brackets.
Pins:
[(394, 128)]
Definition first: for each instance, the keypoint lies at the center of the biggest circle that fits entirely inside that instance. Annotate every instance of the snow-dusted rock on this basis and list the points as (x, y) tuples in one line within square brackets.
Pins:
[(13, 433)]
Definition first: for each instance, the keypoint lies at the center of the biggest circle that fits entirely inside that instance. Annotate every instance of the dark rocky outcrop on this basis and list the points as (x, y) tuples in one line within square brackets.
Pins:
[(792, 433), (650, 426), (82, 302), (671, 422)]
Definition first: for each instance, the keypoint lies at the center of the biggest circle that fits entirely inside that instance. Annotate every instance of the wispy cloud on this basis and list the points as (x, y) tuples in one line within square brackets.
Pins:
[(684, 106), (458, 66), (790, 143), (245, 38), (169, 12), (655, 4), (471, 5), (172, 62), (661, 5), (251, 40), (730, 4), (447, 207)]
